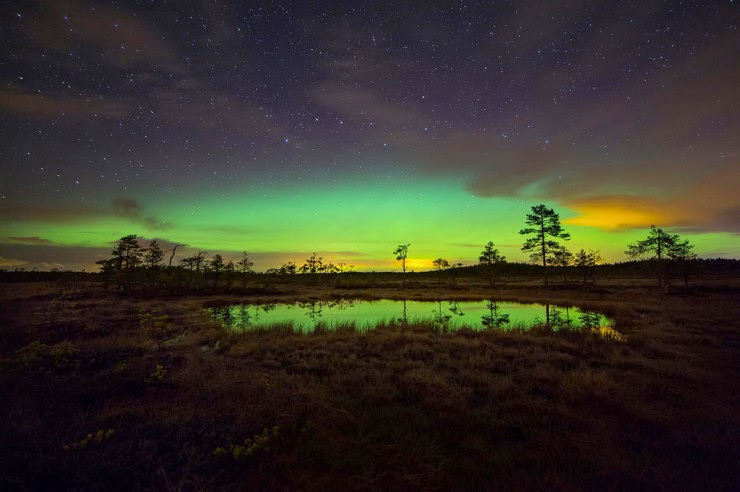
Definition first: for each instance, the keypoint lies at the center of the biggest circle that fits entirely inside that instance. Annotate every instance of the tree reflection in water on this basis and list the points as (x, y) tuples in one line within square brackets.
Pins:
[(444, 315), (315, 309), (241, 318), (494, 319), (404, 319), (555, 318), (590, 319), (440, 319)]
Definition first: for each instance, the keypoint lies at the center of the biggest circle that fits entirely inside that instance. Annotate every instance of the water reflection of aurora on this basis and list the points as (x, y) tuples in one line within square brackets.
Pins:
[(445, 315)]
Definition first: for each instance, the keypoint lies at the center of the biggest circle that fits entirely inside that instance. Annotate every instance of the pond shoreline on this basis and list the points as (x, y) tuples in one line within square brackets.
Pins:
[(364, 315)]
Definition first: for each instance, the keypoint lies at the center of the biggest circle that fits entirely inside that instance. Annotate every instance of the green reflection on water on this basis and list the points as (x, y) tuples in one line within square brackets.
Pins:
[(444, 315)]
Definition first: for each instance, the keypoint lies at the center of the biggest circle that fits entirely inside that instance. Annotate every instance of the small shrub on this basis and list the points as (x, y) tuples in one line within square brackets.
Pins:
[(31, 355), (157, 375), (96, 439), (64, 355), (155, 325), (258, 443)]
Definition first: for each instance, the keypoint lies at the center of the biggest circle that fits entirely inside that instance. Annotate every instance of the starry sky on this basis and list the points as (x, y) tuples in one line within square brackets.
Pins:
[(347, 128)]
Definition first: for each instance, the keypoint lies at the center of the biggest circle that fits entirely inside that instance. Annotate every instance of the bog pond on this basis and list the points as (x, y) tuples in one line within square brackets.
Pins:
[(362, 315)]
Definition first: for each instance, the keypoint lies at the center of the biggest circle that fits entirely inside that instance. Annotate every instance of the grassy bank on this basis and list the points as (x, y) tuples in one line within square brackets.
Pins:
[(102, 391)]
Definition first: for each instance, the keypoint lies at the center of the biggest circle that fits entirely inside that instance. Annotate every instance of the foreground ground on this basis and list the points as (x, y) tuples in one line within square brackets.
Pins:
[(107, 392)]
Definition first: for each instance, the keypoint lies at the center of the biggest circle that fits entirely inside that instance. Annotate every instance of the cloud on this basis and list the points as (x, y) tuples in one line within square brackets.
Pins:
[(130, 209), (47, 256), (495, 168), (189, 105), (726, 219), (12, 263), (622, 150), (364, 105), (29, 240), (165, 244), (393, 122), (113, 44), (638, 212), (126, 40), (43, 106), (120, 207)]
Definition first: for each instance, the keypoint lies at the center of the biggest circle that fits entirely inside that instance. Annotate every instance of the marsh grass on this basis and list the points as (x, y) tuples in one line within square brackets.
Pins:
[(400, 406)]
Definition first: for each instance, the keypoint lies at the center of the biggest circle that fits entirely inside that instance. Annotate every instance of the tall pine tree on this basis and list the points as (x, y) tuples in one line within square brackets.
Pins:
[(544, 226)]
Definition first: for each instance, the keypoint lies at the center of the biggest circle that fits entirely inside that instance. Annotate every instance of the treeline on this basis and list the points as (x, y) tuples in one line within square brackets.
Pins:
[(626, 269), (544, 243), (133, 265), (137, 267), (644, 268)]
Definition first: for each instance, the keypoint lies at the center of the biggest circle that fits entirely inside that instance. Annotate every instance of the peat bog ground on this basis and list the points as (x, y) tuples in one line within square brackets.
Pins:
[(110, 392)]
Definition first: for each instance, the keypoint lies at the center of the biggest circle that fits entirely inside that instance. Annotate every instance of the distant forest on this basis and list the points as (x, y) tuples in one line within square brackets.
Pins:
[(626, 269), (667, 257)]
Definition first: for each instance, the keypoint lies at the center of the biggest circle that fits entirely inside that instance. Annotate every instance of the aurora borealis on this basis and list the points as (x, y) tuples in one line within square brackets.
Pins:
[(346, 128)]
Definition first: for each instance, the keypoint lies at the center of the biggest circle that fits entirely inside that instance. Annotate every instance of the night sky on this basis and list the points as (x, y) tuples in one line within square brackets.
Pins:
[(284, 128)]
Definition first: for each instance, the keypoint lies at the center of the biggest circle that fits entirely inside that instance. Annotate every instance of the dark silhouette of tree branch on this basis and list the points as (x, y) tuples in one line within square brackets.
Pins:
[(173, 253)]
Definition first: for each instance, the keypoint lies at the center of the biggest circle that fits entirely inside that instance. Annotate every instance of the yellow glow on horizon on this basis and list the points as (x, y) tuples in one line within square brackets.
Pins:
[(614, 214), (418, 264)]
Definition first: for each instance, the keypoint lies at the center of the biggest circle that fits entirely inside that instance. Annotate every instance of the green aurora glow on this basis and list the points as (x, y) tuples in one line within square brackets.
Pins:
[(356, 223)]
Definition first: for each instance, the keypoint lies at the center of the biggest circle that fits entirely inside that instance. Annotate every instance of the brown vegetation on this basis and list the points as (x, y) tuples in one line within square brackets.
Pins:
[(103, 391)]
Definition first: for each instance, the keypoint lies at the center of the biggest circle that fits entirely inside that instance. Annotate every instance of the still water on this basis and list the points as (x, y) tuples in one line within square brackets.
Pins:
[(445, 315)]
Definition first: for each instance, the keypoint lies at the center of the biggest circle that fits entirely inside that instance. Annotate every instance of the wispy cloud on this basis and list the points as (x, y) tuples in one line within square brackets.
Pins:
[(43, 106), (12, 263), (47, 256), (366, 105), (130, 209), (176, 93), (127, 41), (29, 240), (119, 207)]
